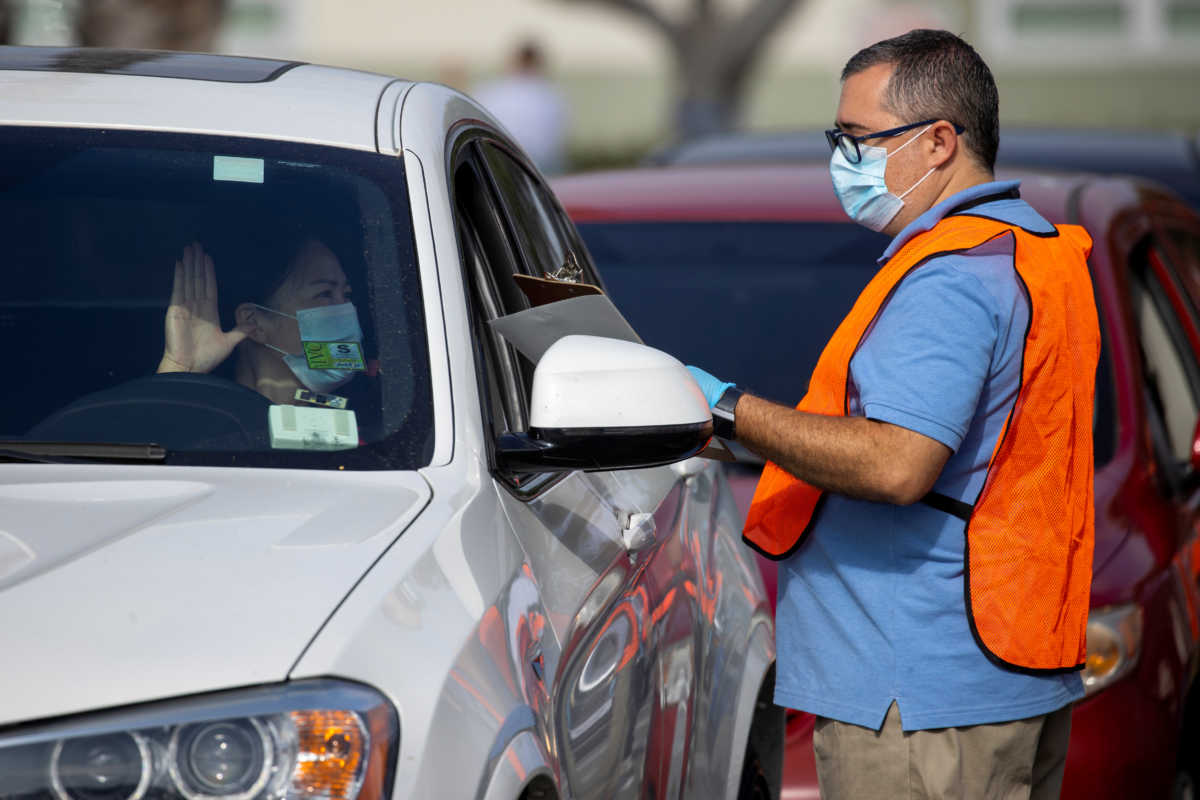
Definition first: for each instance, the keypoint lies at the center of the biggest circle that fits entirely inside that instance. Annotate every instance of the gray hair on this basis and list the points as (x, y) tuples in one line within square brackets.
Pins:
[(937, 75)]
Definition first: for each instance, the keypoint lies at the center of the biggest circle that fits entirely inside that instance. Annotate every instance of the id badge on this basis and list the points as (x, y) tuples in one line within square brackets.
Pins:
[(334, 355)]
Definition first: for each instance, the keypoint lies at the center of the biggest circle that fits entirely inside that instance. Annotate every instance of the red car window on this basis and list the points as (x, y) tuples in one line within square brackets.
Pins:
[(1170, 371), (1184, 253)]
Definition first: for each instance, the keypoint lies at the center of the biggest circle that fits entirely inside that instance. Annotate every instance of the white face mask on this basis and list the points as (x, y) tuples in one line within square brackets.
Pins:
[(325, 324), (861, 187)]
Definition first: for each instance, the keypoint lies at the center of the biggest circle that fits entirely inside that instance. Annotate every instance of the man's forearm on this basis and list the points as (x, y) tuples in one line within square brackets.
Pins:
[(853, 456)]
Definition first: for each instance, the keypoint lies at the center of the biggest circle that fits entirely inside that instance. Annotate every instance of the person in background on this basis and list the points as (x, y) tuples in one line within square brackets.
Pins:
[(309, 299), (531, 107), (930, 499)]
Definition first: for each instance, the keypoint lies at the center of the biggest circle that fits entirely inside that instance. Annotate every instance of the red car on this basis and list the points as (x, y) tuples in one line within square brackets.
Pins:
[(747, 269)]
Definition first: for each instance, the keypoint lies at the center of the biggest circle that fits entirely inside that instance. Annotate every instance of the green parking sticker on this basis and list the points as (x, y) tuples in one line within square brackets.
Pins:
[(334, 355)]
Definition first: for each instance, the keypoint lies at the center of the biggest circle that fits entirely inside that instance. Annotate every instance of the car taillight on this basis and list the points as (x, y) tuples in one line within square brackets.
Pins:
[(1114, 643)]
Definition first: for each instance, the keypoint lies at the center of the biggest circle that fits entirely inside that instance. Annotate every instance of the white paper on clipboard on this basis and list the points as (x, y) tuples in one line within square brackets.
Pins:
[(533, 330)]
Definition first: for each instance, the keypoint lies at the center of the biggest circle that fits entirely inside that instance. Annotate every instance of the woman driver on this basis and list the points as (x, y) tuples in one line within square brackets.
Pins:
[(313, 293)]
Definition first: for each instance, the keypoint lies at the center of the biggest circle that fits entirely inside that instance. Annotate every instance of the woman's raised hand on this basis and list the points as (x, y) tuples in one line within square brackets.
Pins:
[(195, 341)]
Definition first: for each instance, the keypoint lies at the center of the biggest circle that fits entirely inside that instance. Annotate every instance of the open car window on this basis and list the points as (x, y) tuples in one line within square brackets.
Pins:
[(334, 375)]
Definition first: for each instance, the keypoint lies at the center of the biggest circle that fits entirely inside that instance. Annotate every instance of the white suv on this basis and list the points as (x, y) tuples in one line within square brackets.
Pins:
[(283, 514)]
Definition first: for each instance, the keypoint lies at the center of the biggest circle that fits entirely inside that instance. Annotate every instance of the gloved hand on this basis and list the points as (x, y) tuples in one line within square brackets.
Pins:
[(712, 387)]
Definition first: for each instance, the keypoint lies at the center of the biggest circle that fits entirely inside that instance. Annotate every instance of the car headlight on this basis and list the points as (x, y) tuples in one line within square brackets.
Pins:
[(316, 740), (1114, 642)]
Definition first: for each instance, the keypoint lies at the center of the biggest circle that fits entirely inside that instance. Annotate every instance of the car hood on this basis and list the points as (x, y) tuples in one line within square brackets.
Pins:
[(125, 584)]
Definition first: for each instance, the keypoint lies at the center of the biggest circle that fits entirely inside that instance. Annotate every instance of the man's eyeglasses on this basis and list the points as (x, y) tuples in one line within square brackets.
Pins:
[(848, 144)]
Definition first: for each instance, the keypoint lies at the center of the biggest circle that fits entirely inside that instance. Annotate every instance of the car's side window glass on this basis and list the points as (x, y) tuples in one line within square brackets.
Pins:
[(503, 396), (489, 262), (508, 224), (1171, 377), (535, 222)]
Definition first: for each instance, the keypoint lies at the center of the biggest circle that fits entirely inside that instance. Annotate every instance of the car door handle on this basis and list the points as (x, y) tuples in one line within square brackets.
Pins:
[(638, 531)]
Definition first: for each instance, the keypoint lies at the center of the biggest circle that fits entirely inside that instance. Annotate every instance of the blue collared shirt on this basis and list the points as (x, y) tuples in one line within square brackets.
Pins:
[(871, 609)]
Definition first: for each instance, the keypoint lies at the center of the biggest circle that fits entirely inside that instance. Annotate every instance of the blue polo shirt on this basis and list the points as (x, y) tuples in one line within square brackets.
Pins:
[(871, 608)]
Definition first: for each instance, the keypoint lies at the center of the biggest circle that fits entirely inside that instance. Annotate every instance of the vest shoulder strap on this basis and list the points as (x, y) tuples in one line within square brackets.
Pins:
[(957, 233)]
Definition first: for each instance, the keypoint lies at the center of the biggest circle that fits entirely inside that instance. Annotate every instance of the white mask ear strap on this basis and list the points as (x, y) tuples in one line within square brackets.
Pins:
[(913, 139), (279, 350), (918, 183), (273, 311), (268, 344)]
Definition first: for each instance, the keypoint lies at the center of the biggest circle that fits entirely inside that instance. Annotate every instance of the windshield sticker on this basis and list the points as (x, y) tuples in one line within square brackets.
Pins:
[(319, 399), (233, 168), (334, 355), (310, 428)]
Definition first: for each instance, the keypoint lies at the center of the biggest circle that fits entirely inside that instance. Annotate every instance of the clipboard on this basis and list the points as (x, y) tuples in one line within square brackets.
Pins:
[(717, 450), (541, 291)]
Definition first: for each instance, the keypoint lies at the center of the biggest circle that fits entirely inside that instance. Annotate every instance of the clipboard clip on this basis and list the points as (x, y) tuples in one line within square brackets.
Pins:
[(569, 272)]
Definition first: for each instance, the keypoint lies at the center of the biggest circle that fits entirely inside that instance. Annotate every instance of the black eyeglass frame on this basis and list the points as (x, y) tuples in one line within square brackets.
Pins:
[(836, 137)]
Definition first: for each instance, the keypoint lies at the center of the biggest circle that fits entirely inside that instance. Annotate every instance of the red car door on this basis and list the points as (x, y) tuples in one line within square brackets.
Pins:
[(1126, 734)]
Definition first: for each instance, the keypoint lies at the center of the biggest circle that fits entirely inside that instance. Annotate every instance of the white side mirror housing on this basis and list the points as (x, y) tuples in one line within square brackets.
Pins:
[(592, 382), (609, 404)]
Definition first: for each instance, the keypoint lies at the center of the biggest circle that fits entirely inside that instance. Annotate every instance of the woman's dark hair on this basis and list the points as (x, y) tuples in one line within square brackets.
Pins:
[(273, 280), (268, 265), (937, 75)]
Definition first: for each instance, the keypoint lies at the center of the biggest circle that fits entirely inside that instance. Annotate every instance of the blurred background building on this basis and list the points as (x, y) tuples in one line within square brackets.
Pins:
[(637, 73)]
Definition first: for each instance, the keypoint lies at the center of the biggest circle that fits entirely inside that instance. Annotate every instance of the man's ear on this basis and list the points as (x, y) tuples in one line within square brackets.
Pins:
[(943, 143), (249, 319)]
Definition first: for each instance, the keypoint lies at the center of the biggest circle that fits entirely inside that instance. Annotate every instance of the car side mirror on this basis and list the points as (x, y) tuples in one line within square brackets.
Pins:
[(601, 404)]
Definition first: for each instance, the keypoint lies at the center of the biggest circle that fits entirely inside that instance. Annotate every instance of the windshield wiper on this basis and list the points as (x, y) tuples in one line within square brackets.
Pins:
[(79, 452)]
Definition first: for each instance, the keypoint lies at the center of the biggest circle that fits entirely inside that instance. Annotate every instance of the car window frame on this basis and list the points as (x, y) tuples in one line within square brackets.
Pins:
[(1169, 232), (463, 153), (1148, 274), (561, 223)]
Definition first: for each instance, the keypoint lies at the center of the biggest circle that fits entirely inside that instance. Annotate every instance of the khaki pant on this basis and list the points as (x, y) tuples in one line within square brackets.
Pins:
[(1021, 760)]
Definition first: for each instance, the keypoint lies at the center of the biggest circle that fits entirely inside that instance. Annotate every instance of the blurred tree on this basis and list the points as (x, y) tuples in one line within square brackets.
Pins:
[(715, 52), (149, 24)]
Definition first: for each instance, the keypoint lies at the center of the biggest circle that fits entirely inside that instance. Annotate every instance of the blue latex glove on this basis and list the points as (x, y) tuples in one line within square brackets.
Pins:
[(712, 387)]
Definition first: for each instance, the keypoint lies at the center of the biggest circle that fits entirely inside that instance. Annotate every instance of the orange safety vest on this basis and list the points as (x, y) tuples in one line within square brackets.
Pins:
[(1029, 534)]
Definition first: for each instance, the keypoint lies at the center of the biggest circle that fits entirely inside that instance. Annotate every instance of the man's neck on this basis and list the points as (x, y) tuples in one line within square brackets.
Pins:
[(962, 181)]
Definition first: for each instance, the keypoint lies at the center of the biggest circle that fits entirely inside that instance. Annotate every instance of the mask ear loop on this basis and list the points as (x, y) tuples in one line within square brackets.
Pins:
[(273, 311), (906, 144), (279, 350), (913, 139), (918, 183)]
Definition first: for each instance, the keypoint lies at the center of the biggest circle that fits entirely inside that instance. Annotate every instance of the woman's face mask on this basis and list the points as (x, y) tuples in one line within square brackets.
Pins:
[(331, 338)]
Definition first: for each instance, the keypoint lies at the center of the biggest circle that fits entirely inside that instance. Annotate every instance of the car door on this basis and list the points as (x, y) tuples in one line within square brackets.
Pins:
[(1182, 247), (618, 652), (1167, 329)]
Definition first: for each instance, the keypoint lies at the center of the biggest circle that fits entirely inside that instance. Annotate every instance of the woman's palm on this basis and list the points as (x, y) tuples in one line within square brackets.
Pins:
[(194, 339)]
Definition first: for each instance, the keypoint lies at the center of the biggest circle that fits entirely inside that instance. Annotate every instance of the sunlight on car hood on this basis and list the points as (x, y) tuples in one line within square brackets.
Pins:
[(124, 584)]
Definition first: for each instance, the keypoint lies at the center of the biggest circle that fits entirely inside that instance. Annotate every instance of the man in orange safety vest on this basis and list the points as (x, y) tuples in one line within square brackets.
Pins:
[(930, 499)]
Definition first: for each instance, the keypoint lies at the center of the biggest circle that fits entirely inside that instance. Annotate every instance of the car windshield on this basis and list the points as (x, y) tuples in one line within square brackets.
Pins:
[(752, 302), (236, 302)]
